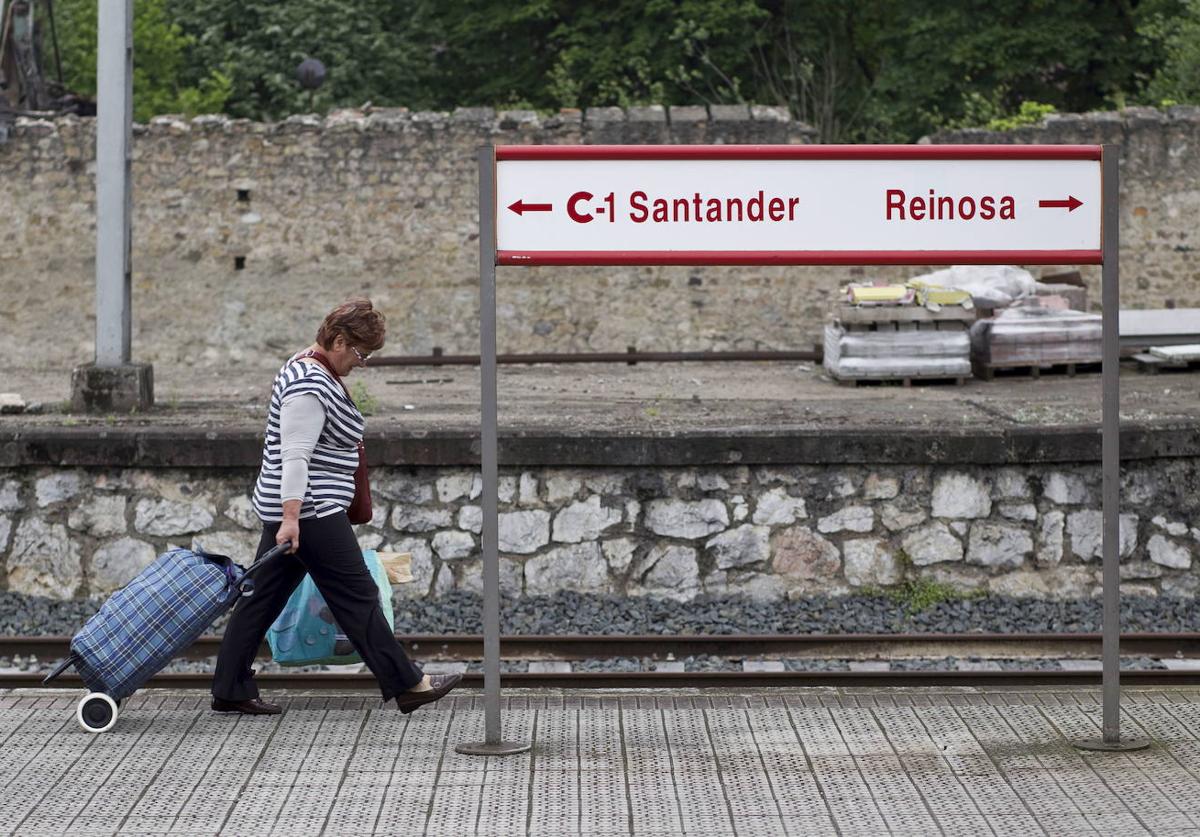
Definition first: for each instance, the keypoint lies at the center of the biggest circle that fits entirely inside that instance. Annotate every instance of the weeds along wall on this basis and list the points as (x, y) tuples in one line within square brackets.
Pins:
[(245, 233)]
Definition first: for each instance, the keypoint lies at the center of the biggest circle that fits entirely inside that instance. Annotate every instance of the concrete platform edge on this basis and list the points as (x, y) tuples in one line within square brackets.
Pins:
[(174, 447)]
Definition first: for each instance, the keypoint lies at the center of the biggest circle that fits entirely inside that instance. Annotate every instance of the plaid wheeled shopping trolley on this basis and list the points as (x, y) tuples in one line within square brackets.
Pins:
[(146, 623)]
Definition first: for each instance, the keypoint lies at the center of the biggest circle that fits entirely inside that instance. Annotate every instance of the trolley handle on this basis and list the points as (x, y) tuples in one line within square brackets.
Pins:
[(272, 553), (246, 585)]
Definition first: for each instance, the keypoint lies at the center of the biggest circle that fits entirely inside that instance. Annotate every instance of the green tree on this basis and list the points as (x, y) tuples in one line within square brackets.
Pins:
[(823, 60), (159, 48), (657, 52), (369, 48), (544, 54), (974, 61), (562, 53), (894, 70), (871, 70), (1177, 79)]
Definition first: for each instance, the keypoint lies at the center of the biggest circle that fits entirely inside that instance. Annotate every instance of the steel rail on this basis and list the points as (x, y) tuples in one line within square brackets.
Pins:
[(630, 357), (661, 680), (666, 646)]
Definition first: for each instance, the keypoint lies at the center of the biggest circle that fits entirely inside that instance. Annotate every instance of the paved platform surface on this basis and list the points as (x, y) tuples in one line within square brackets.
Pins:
[(771, 762), (617, 415), (663, 397)]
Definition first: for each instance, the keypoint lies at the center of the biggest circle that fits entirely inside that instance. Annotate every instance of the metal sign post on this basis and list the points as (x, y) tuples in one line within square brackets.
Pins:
[(1110, 383), (492, 745), (801, 205)]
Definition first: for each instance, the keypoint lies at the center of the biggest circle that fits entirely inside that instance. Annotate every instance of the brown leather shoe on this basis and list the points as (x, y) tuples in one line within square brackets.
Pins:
[(253, 706), (441, 683)]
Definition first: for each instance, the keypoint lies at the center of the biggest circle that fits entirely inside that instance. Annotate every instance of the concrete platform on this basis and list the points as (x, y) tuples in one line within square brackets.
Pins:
[(777, 762), (615, 414)]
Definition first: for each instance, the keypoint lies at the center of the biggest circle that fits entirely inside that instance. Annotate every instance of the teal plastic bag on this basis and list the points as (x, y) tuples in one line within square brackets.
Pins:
[(305, 633)]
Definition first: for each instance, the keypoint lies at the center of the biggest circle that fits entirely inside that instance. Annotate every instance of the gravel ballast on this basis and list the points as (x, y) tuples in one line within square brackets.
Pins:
[(574, 613)]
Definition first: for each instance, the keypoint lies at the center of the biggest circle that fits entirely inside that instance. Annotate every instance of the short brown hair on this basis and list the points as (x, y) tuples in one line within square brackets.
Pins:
[(358, 322)]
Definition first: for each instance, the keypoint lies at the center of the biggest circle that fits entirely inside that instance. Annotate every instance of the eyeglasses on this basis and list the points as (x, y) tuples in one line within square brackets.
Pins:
[(361, 357)]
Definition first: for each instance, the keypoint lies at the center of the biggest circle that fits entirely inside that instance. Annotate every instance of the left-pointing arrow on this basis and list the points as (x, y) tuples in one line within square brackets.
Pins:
[(520, 207)]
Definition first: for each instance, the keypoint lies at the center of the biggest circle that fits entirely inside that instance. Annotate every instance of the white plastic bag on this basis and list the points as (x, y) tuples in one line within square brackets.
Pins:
[(990, 286)]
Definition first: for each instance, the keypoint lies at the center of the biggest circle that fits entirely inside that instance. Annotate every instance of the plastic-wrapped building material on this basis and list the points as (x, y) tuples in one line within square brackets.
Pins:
[(1031, 336), (862, 294), (930, 350), (990, 286), (1075, 295)]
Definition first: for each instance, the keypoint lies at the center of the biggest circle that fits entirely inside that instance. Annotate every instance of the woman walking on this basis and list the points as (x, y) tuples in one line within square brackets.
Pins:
[(305, 485)]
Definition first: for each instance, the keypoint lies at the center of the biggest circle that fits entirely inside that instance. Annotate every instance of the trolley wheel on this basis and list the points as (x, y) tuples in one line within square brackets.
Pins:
[(96, 712)]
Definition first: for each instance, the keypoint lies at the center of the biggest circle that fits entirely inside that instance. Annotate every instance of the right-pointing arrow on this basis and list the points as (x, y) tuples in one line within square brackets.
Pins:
[(1069, 204)]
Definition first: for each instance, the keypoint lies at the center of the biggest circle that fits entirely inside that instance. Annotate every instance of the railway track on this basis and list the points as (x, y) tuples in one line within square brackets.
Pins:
[(669, 646), (662, 680), (854, 647)]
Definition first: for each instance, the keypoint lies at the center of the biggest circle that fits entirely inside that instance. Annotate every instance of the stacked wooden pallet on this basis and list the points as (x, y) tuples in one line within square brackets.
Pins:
[(898, 343), (1034, 339)]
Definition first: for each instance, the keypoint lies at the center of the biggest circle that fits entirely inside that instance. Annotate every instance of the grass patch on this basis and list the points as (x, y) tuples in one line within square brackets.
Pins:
[(921, 594), (367, 404)]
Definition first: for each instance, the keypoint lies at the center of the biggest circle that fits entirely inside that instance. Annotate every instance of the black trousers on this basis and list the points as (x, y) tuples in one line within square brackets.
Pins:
[(328, 552)]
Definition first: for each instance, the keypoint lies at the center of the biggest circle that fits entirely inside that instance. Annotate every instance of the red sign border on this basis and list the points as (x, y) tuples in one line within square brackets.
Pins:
[(796, 152)]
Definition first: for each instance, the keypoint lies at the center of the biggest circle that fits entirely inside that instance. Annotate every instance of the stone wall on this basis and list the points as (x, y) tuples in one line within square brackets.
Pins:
[(763, 532), (245, 233)]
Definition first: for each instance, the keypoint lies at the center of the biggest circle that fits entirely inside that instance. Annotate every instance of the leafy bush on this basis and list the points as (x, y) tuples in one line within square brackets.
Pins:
[(1029, 113), (875, 70), (1177, 80), (160, 61)]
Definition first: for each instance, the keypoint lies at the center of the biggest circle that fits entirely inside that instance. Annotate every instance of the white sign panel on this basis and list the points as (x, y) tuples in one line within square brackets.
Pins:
[(854, 207)]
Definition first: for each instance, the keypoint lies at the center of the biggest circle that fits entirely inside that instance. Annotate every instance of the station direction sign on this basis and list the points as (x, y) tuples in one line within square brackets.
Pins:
[(820, 204)]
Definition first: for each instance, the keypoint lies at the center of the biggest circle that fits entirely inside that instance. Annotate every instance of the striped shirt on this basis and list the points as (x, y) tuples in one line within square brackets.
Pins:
[(335, 457)]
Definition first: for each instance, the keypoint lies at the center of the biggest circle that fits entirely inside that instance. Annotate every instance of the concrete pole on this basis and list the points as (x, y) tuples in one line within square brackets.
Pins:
[(114, 146), (113, 383)]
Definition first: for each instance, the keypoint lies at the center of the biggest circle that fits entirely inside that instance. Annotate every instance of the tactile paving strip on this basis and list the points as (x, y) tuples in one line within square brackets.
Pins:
[(821, 762), (109, 776), (424, 741), (1147, 781), (405, 809), (503, 806)]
